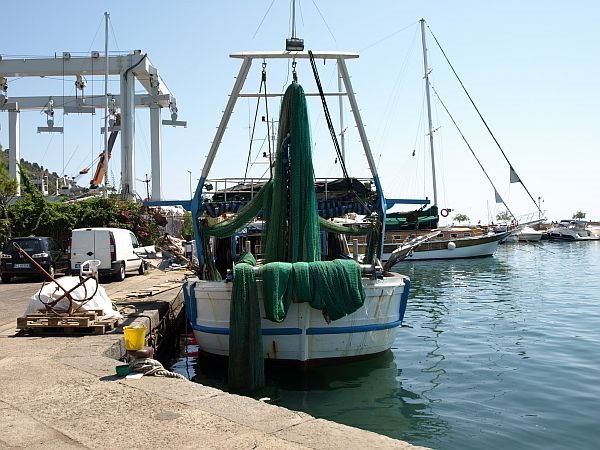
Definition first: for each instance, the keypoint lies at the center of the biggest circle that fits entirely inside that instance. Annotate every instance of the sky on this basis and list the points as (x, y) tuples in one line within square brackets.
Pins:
[(531, 69)]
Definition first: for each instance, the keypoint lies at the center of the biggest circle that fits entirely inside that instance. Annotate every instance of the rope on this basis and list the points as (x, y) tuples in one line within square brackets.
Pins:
[(149, 366), (470, 148), (263, 80), (328, 116), (481, 117)]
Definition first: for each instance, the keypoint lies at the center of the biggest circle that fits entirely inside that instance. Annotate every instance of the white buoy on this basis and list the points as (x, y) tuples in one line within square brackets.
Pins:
[(451, 245)]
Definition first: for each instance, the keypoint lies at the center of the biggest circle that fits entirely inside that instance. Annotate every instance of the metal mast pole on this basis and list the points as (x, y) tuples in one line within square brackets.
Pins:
[(429, 111), (342, 131), (106, 15), (293, 18)]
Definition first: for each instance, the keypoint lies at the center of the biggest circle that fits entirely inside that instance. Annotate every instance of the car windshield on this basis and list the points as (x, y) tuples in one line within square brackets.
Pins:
[(29, 245)]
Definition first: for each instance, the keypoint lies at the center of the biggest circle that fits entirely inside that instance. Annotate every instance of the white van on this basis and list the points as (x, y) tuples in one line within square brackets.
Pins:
[(113, 247)]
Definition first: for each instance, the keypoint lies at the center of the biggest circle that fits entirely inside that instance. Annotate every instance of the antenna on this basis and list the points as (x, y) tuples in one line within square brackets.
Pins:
[(147, 181), (294, 44)]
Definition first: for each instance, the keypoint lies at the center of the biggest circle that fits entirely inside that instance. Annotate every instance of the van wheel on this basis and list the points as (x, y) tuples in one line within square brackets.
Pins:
[(121, 274), (5, 278), (142, 268)]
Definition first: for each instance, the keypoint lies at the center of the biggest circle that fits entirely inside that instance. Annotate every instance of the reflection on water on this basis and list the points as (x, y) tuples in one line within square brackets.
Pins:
[(497, 352), (363, 394)]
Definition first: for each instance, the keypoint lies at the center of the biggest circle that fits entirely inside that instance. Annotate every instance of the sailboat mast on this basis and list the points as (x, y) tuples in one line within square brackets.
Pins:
[(429, 111)]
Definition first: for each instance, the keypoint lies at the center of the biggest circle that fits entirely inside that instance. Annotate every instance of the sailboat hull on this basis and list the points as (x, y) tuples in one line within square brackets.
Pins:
[(304, 336), (470, 247)]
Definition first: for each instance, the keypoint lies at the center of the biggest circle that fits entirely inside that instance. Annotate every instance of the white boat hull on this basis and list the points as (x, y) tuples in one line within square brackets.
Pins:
[(572, 235), (304, 335), (471, 247), (529, 237)]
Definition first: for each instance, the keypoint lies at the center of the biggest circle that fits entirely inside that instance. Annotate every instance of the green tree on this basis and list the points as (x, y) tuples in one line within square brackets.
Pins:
[(579, 215), (8, 190), (504, 216), (461, 218), (187, 231), (32, 214)]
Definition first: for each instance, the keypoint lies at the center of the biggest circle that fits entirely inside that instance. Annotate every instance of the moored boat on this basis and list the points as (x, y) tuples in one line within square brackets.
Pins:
[(281, 292), (304, 336), (528, 234), (452, 243), (572, 230)]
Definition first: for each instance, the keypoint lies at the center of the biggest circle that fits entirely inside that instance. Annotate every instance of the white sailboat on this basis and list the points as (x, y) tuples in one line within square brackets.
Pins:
[(451, 242)]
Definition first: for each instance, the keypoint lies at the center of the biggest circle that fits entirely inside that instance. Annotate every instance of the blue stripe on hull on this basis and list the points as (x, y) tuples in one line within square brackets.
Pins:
[(355, 329), (309, 331)]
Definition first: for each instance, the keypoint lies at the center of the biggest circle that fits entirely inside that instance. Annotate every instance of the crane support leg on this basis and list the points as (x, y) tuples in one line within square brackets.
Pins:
[(156, 152), (128, 134), (14, 142)]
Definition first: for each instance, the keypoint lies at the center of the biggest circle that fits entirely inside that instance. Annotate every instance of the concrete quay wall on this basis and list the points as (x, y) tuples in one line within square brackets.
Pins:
[(62, 391)]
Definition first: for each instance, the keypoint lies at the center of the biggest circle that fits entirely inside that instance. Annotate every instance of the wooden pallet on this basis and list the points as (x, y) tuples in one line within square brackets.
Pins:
[(86, 322)]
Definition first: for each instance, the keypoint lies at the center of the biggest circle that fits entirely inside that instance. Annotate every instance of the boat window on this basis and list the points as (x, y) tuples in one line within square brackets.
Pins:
[(453, 235)]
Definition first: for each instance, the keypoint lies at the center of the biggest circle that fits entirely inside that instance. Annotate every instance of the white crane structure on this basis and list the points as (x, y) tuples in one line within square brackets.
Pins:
[(130, 67)]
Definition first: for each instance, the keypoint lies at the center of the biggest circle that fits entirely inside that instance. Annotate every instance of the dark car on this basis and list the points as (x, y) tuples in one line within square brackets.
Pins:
[(44, 250)]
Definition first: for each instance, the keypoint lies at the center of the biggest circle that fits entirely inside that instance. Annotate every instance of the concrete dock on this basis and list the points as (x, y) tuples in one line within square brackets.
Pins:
[(62, 391)]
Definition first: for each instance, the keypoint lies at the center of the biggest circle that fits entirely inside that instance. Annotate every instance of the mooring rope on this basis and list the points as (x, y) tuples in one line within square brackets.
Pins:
[(149, 366)]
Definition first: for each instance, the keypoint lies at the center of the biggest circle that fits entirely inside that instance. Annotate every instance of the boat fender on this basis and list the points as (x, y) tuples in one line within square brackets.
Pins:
[(451, 245), (445, 212)]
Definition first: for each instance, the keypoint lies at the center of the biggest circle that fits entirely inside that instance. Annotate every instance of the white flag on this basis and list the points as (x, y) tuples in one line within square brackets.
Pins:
[(514, 178)]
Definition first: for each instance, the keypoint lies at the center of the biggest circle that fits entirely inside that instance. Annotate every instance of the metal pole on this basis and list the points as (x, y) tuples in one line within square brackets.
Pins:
[(342, 131), (366, 146), (293, 18), (237, 87), (106, 15), (190, 174), (156, 152), (429, 111)]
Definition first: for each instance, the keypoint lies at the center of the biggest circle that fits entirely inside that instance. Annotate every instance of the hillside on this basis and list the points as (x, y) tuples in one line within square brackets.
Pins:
[(33, 170)]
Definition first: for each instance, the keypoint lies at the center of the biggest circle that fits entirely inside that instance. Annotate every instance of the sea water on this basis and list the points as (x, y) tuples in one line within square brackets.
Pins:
[(498, 352)]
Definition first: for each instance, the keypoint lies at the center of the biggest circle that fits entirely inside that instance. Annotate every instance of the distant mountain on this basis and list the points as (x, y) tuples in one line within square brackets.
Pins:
[(33, 170)]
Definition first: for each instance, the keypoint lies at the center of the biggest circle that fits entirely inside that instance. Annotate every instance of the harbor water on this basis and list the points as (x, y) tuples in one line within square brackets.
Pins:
[(500, 352)]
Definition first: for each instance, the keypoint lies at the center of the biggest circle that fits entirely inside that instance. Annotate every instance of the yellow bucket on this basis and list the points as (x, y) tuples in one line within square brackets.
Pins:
[(135, 336)]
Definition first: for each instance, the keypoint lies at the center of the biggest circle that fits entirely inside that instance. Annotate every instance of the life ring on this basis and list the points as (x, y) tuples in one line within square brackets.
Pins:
[(444, 212)]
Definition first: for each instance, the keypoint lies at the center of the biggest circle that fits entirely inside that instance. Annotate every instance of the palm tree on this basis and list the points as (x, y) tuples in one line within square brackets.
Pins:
[(461, 218), (504, 216)]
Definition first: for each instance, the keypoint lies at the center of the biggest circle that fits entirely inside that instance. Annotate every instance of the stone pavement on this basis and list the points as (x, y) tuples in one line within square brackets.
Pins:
[(62, 392)]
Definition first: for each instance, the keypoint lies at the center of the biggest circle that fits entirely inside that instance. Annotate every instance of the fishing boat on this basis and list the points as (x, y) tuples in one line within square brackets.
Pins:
[(275, 281)]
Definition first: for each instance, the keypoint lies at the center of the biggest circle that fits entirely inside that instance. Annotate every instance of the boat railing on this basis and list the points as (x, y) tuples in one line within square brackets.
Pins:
[(233, 187)]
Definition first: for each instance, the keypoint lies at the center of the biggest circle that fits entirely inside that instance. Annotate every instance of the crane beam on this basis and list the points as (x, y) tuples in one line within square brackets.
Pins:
[(68, 65), (97, 101)]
